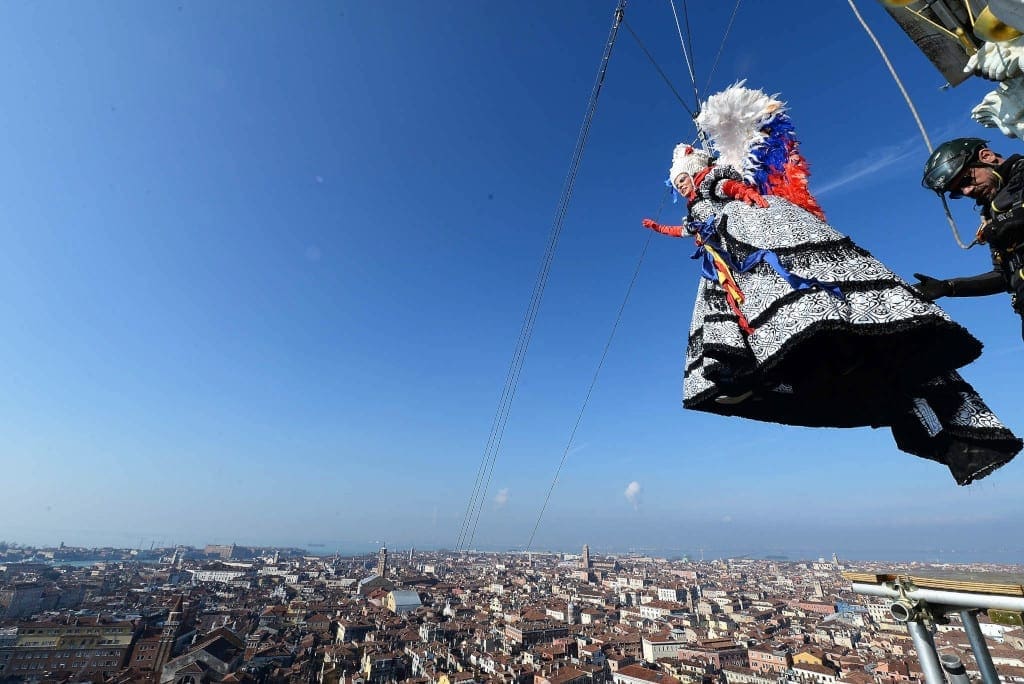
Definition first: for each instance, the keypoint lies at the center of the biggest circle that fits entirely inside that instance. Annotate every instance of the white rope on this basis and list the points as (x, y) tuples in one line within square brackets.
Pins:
[(895, 76), (910, 104), (682, 44)]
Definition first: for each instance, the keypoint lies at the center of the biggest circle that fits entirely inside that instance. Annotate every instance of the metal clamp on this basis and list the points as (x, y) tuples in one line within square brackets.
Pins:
[(906, 609)]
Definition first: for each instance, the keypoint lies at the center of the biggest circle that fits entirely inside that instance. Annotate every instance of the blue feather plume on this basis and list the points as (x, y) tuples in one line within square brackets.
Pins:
[(773, 152)]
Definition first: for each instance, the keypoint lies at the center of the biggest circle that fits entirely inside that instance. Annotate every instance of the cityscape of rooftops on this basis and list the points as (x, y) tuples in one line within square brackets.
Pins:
[(226, 612)]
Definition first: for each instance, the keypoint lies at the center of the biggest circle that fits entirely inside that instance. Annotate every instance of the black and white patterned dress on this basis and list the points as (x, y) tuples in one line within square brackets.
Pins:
[(880, 355)]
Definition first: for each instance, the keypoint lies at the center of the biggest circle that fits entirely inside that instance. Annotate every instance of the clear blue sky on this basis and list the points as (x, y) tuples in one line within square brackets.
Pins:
[(264, 266)]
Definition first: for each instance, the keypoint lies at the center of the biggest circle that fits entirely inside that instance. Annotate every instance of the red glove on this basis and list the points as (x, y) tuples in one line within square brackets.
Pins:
[(674, 231), (742, 191)]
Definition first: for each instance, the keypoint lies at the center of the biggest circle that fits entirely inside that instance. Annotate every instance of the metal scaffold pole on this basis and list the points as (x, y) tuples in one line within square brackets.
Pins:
[(980, 648), (925, 647), (936, 597)]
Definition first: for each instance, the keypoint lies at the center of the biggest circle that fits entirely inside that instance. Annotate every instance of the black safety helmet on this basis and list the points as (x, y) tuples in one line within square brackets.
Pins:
[(948, 160)]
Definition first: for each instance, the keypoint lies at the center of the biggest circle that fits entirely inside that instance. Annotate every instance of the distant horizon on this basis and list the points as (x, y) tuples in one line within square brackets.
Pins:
[(935, 556)]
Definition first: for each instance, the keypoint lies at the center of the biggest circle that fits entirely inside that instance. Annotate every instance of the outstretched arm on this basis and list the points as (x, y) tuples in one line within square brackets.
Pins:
[(973, 286), (672, 231)]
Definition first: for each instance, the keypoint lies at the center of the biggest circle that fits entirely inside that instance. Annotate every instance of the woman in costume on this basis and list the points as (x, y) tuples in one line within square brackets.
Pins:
[(796, 324)]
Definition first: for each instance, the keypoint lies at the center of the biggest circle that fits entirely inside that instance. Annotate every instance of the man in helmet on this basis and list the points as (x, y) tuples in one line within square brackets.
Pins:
[(966, 167)]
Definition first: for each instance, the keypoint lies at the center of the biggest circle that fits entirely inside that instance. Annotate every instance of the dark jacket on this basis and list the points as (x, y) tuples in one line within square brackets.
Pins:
[(1005, 231)]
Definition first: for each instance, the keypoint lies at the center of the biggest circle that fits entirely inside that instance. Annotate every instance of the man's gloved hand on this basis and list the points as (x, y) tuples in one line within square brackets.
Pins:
[(744, 192), (932, 288)]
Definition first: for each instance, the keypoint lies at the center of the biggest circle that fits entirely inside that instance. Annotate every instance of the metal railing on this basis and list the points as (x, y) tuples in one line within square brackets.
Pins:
[(918, 608)]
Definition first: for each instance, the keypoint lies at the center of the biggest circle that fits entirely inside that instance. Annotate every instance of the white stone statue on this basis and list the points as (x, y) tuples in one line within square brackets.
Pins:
[(999, 59), (1003, 108)]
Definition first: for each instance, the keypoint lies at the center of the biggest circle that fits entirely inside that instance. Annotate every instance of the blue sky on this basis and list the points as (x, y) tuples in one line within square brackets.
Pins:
[(264, 266)]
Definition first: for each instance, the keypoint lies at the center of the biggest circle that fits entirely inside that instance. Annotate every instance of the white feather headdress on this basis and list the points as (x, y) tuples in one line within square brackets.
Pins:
[(733, 119)]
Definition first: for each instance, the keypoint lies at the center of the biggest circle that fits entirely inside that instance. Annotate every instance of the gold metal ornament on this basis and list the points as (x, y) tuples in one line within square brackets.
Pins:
[(991, 28)]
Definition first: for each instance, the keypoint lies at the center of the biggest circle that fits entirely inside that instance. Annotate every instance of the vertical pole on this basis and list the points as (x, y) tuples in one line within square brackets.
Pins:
[(925, 648), (980, 648)]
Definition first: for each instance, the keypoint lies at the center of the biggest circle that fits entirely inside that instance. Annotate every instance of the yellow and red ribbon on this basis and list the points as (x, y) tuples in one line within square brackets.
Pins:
[(733, 293)]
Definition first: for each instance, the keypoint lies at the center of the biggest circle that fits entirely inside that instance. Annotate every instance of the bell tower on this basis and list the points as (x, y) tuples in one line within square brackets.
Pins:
[(172, 626)]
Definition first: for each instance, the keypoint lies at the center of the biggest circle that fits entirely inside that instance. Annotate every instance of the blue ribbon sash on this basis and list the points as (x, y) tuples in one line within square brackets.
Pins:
[(709, 236)]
